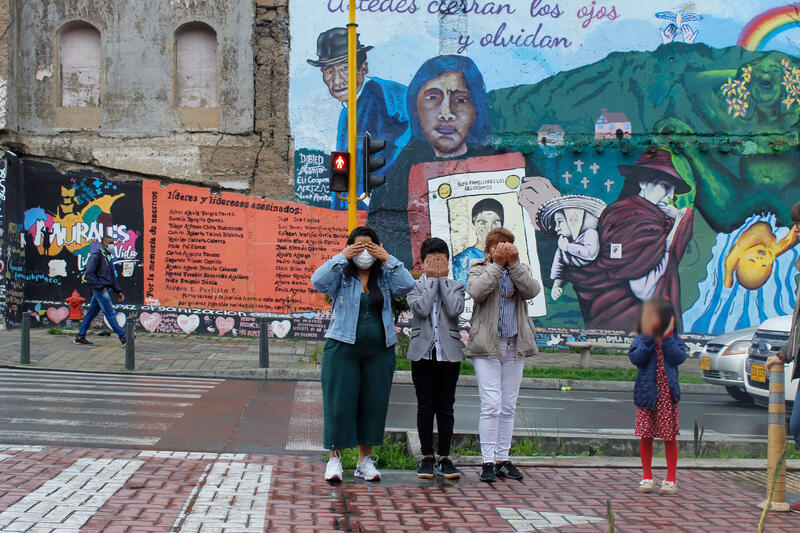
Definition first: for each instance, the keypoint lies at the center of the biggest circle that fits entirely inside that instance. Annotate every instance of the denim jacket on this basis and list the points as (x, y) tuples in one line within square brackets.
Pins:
[(642, 353), (395, 281)]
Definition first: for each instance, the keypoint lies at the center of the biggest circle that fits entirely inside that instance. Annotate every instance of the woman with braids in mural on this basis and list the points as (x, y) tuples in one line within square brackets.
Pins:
[(449, 115), (642, 239)]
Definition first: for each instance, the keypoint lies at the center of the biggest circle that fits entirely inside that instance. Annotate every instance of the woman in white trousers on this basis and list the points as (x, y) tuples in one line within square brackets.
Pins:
[(501, 337)]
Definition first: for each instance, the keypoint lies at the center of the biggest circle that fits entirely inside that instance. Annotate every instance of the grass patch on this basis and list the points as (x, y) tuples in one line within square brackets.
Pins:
[(594, 374), (389, 455), (59, 331)]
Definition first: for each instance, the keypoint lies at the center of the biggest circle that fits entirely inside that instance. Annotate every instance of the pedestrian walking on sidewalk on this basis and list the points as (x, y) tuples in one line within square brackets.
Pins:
[(791, 351), (501, 337), (102, 278), (359, 359), (657, 351), (435, 352)]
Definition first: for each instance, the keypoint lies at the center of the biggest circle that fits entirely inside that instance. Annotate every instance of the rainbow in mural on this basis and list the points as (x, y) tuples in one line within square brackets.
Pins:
[(768, 24)]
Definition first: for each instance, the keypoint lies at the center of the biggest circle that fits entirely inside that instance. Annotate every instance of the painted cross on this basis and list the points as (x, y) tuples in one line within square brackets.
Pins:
[(566, 175), (586, 181), (608, 183), (594, 167), (578, 164), (528, 520)]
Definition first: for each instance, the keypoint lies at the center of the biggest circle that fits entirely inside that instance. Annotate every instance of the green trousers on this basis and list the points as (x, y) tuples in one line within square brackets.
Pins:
[(356, 383)]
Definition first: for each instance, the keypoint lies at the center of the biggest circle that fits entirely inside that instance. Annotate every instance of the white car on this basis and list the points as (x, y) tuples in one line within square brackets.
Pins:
[(722, 362), (770, 337)]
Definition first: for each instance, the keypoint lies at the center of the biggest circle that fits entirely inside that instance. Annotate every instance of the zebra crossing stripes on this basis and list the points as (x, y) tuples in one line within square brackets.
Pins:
[(94, 408), (67, 501)]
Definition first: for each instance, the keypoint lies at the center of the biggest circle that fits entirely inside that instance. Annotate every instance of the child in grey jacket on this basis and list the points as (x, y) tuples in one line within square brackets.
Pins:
[(435, 353)]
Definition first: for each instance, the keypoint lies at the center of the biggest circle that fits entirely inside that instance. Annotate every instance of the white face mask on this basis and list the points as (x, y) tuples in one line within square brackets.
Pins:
[(364, 260)]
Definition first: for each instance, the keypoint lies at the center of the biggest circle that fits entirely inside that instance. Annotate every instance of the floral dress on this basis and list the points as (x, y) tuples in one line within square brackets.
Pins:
[(661, 422)]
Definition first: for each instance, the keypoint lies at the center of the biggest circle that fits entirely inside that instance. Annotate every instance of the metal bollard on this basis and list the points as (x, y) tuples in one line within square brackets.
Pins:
[(776, 440), (130, 351), (263, 344), (25, 341)]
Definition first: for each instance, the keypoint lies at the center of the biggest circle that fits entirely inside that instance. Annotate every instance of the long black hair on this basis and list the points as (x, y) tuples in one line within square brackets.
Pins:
[(666, 312), (375, 294)]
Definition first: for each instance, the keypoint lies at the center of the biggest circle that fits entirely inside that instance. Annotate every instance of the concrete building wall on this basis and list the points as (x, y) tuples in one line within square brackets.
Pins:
[(138, 128)]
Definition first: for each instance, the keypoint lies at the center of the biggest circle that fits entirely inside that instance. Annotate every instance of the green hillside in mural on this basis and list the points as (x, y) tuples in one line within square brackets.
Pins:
[(684, 89)]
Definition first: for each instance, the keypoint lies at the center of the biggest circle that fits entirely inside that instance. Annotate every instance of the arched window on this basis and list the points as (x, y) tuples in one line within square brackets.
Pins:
[(196, 66), (80, 64)]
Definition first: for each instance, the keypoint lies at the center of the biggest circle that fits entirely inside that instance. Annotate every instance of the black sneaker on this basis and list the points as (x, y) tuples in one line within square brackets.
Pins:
[(123, 341), (507, 470), (487, 473), (447, 469), (80, 340), (425, 470)]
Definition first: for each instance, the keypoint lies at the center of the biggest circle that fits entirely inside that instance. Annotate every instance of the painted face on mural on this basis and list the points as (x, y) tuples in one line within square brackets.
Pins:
[(484, 223), (765, 84), (335, 77), (446, 114), (659, 193)]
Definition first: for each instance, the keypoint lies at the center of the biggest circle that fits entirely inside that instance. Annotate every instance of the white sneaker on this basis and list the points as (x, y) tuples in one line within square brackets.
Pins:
[(366, 470), (646, 485), (334, 471)]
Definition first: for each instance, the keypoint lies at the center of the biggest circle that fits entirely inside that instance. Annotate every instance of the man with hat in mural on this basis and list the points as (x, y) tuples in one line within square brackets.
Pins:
[(572, 219), (381, 104), (642, 238)]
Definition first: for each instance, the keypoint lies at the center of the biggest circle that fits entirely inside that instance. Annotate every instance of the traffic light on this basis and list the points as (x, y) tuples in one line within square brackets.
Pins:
[(371, 164), (340, 171)]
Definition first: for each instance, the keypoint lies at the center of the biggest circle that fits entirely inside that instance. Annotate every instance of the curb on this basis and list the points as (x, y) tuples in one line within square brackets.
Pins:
[(401, 377)]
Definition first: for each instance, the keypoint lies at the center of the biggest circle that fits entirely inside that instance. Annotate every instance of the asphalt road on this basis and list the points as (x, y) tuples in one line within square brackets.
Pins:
[(607, 413), (214, 415)]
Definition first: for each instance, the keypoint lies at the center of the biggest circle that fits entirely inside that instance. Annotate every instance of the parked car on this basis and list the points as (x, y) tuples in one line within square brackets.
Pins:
[(770, 337), (722, 362)]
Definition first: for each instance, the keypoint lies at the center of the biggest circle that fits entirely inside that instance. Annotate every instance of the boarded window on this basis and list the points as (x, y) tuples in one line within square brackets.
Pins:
[(80, 57), (196, 66)]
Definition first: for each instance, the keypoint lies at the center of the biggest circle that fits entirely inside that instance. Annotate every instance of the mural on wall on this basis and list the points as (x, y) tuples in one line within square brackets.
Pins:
[(635, 149), (12, 240), (66, 215), (234, 252)]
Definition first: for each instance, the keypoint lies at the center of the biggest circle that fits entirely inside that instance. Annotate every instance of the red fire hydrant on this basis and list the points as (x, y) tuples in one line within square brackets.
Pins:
[(75, 306)]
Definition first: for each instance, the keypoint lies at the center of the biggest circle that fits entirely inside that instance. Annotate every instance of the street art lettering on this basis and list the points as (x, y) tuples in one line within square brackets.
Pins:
[(65, 217), (636, 150)]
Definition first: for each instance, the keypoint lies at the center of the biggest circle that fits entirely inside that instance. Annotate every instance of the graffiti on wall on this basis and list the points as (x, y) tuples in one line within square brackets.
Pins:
[(66, 215), (232, 251), (636, 150)]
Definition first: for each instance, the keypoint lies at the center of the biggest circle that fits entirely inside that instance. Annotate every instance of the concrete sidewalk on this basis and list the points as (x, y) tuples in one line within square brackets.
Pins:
[(237, 357)]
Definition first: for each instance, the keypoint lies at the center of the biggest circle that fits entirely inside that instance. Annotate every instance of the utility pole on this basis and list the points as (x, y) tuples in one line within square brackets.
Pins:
[(352, 196)]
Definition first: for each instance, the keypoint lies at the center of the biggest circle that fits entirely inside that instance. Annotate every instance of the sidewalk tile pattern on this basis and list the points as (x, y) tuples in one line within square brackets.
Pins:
[(149, 492)]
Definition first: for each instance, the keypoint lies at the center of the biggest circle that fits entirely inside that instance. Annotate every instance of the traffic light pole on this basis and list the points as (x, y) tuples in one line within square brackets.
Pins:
[(352, 191)]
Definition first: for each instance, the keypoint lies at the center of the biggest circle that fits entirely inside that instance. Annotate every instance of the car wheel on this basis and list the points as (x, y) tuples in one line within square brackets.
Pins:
[(739, 395)]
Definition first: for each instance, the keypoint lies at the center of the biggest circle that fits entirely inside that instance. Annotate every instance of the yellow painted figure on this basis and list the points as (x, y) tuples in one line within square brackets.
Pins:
[(753, 255)]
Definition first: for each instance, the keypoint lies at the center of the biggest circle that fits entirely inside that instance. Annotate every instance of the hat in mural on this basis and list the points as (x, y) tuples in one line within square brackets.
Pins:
[(332, 47), (656, 163), (546, 212)]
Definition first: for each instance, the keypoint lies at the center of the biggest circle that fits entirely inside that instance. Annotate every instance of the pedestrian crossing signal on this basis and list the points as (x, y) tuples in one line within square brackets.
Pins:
[(370, 147), (340, 171)]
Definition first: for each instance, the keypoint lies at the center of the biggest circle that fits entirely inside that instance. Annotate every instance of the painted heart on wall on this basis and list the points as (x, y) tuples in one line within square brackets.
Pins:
[(280, 328), (150, 321), (188, 323), (121, 320), (224, 325), (57, 314)]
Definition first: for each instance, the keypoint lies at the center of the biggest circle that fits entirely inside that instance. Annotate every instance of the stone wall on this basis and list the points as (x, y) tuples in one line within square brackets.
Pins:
[(137, 129)]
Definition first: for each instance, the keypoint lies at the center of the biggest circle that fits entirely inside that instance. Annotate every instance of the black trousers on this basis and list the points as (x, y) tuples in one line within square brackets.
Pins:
[(435, 383)]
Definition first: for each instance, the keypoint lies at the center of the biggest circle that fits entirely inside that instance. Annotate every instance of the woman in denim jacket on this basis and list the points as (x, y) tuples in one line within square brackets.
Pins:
[(358, 360)]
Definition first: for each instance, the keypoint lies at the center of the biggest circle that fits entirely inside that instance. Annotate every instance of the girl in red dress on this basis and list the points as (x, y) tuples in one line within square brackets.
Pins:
[(657, 351)]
